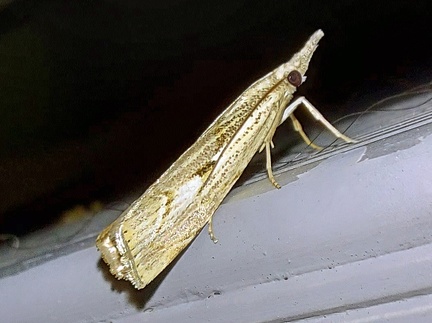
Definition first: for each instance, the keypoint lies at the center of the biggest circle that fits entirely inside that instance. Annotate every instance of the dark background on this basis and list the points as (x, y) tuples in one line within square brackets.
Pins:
[(98, 98)]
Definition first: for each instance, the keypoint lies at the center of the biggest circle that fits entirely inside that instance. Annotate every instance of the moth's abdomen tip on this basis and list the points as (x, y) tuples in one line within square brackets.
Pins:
[(119, 264), (110, 254)]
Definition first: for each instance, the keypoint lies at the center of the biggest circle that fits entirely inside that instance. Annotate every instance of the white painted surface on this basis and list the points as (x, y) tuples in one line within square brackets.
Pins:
[(347, 239)]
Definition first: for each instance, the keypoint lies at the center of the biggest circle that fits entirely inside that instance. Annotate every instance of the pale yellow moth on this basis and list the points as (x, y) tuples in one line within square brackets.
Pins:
[(173, 210)]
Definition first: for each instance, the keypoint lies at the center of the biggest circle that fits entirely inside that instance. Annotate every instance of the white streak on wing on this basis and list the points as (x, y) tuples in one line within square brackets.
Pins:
[(187, 193), (216, 156)]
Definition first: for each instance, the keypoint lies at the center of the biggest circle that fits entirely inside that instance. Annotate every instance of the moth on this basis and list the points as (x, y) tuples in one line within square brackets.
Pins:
[(173, 210)]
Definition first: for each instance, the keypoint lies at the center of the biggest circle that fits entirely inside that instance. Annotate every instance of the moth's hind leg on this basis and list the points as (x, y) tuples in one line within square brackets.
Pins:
[(210, 230)]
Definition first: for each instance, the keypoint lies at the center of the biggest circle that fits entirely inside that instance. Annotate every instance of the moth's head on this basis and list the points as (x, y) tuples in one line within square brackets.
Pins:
[(295, 69)]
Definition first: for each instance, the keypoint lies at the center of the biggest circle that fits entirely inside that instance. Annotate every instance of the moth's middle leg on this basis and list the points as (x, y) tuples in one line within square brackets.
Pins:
[(298, 127)]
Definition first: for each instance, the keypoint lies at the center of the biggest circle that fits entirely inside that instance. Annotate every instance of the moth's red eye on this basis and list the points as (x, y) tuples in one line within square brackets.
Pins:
[(295, 78)]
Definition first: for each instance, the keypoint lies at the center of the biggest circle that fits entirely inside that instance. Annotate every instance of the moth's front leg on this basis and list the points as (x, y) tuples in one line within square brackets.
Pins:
[(297, 127), (316, 114)]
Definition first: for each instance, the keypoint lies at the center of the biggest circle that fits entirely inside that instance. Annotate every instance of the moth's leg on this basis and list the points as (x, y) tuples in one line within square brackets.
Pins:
[(298, 127), (316, 114), (267, 146), (210, 230)]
